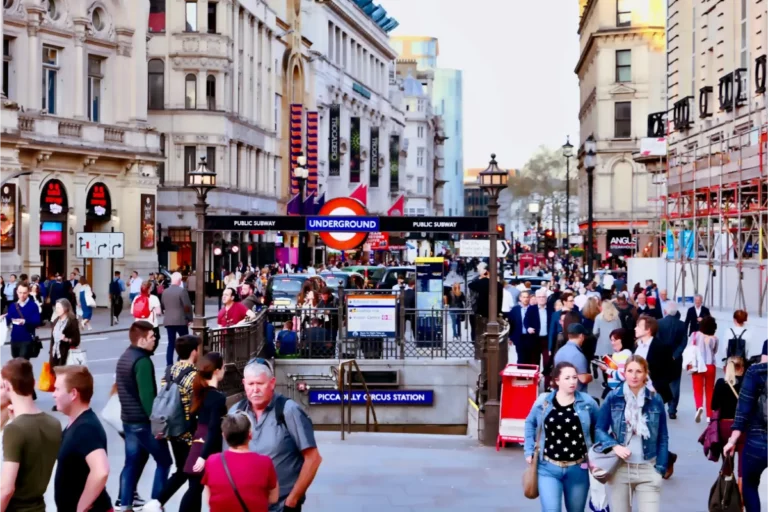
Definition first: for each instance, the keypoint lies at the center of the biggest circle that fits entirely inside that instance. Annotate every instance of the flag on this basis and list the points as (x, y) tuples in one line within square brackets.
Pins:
[(361, 194), (319, 203), (292, 208), (397, 207), (308, 208)]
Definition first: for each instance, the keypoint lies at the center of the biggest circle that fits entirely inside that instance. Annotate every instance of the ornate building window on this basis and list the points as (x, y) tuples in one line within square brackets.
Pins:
[(156, 86), (190, 92)]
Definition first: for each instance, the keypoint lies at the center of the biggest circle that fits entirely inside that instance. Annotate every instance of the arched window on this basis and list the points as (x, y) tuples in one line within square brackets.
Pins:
[(190, 92), (210, 92), (156, 68)]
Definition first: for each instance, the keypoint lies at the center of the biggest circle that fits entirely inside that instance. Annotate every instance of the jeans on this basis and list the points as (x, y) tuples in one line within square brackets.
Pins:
[(556, 483), (132, 296), (456, 322), (674, 386), (22, 349), (641, 480), (755, 462), (138, 439), (173, 331), (179, 478), (140, 463)]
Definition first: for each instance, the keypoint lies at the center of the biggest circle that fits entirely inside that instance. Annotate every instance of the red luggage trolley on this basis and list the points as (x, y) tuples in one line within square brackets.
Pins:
[(519, 390)]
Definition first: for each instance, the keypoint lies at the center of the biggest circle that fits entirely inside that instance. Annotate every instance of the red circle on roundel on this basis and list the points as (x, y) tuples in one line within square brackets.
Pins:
[(346, 207)]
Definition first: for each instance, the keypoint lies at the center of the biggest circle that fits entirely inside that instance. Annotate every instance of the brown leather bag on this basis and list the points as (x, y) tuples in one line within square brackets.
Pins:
[(531, 473)]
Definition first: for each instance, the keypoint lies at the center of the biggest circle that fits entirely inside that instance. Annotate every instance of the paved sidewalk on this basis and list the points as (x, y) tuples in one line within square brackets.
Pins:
[(100, 320)]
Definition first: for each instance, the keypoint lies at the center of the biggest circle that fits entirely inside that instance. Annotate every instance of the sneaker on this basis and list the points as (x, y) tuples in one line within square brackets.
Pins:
[(673, 415), (153, 506), (699, 413), (138, 502)]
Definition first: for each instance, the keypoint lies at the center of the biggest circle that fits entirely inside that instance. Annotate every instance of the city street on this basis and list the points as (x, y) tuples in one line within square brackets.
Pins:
[(404, 472)]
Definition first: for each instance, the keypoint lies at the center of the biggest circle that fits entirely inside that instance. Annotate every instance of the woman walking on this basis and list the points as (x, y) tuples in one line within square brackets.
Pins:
[(457, 301), (210, 406), (86, 301), (724, 400), (704, 382), (65, 333), (614, 366), (605, 323), (632, 421), (560, 423)]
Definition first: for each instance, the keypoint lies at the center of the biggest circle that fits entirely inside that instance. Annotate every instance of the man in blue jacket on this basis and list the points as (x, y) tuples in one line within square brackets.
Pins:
[(525, 325), (23, 317)]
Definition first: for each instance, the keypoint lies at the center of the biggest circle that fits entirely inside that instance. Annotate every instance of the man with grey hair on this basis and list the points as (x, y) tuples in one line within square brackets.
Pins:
[(178, 314), (672, 333), (545, 317), (695, 314), (281, 430)]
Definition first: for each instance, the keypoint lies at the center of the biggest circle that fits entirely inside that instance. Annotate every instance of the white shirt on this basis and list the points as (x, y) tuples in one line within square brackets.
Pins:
[(642, 348), (136, 285), (608, 280), (154, 309), (400, 287), (543, 320), (581, 301), (506, 301)]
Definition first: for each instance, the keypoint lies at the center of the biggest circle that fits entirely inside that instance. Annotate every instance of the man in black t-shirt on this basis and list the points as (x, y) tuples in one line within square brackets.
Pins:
[(83, 467)]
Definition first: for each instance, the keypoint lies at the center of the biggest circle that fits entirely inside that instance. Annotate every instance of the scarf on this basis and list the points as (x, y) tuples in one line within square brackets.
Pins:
[(58, 334), (633, 412)]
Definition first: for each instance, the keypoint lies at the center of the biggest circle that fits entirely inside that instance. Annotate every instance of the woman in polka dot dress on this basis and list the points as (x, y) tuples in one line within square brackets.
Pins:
[(562, 421)]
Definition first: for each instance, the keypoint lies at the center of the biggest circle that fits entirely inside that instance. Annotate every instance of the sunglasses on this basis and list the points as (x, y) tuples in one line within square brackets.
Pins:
[(263, 362)]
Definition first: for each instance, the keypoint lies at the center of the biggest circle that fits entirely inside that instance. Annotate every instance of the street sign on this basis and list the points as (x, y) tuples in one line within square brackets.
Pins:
[(101, 246), (471, 248)]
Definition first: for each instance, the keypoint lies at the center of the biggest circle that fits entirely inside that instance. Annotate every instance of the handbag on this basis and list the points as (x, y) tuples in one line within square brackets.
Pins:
[(531, 473), (90, 298), (47, 378), (603, 464), (111, 413), (37, 345), (232, 482), (724, 495), (5, 332), (691, 358), (77, 356)]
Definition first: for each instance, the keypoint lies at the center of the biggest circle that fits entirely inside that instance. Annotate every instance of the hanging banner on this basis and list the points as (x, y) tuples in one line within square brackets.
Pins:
[(53, 199), (354, 154), (313, 121), (394, 163), (98, 204), (375, 156), (147, 221), (334, 143), (294, 128), (8, 217)]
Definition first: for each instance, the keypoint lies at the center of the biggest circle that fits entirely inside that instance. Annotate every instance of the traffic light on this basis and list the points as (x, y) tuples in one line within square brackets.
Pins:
[(550, 244), (541, 242), (501, 230)]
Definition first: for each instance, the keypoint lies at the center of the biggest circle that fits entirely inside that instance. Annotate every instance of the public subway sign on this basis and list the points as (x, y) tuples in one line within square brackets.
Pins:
[(348, 211), (378, 397)]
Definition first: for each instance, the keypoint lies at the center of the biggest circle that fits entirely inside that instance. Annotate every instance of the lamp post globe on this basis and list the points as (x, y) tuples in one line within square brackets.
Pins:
[(202, 180)]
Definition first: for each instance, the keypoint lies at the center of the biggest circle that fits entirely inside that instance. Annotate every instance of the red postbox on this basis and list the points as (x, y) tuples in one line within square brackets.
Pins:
[(519, 390)]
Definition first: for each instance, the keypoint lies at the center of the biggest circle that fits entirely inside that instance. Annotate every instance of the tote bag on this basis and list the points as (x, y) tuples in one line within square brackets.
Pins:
[(77, 356), (111, 413)]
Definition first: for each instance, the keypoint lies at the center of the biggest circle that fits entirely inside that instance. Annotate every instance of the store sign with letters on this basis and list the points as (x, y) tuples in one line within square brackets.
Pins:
[(378, 397)]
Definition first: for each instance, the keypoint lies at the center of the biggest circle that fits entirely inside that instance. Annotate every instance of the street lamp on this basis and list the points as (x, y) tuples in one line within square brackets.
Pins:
[(492, 181), (567, 153), (590, 160), (301, 173), (202, 180)]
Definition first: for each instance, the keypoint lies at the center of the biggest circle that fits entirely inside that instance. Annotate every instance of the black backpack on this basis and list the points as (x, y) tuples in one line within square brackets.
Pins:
[(737, 346), (114, 288), (627, 318)]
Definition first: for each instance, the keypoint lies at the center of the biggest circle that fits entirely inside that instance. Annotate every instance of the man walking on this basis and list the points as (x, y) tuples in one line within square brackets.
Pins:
[(695, 314), (23, 317), (281, 430), (83, 467), (137, 390), (116, 290), (30, 443), (524, 329), (178, 313), (543, 334), (672, 334), (134, 284)]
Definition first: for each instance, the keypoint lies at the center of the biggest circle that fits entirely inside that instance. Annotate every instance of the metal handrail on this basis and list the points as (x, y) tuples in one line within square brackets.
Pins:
[(369, 409)]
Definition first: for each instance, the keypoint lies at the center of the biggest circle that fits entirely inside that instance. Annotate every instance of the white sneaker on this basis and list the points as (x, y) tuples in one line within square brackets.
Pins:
[(699, 413), (153, 506)]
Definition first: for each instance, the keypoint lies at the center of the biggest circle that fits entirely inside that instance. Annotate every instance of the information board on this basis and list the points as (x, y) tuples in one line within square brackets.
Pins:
[(371, 316), (100, 245), (378, 397)]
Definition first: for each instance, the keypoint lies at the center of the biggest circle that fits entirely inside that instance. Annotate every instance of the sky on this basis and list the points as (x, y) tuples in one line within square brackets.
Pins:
[(518, 57)]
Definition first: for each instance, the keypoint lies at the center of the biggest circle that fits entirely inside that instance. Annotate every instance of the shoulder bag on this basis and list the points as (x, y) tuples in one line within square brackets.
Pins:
[(37, 345), (531, 473), (603, 464), (232, 482)]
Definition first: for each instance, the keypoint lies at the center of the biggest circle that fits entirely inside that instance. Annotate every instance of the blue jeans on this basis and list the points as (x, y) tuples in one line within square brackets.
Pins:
[(173, 331), (132, 296), (754, 463), (556, 483), (138, 439), (674, 386), (456, 321)]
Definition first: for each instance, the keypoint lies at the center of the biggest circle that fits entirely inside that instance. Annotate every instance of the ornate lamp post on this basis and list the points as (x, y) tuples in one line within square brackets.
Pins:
[(203, 180), (301, 173), (567, 153), (492, 181), (590, 160)]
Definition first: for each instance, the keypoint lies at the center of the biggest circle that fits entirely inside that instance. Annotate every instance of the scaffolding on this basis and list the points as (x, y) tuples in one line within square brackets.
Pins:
[(715, 227)]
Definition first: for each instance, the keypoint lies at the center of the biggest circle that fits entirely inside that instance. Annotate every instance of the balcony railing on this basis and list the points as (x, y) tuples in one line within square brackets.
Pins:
[(69, 129), (26, 124), (114, 135)]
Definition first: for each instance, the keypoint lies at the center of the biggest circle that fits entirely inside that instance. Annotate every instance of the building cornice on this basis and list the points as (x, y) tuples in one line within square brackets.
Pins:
[(605, 33), (585, 15), (362, 31)]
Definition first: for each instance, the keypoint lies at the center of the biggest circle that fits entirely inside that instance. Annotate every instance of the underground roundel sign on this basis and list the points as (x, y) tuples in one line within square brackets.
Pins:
[(353, 231)]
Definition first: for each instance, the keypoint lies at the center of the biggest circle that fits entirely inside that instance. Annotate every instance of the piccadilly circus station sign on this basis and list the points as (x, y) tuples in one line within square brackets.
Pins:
[(344, 224)]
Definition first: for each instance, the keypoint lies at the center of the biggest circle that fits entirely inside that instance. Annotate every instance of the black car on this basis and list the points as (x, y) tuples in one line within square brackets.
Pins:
[(283, 290), (386, 277), (345, 280)]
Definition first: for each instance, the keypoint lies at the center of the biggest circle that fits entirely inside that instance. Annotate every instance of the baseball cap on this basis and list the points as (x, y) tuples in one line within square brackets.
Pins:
[(577, 329)]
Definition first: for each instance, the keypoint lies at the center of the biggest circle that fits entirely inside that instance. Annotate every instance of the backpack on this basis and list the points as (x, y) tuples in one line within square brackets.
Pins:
[(737, 346), (168, 418), (627, 318), (114, 288), (141, 307)]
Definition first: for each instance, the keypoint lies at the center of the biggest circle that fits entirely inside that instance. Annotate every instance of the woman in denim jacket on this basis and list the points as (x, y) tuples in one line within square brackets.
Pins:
[(567, 418), (634, 409)]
